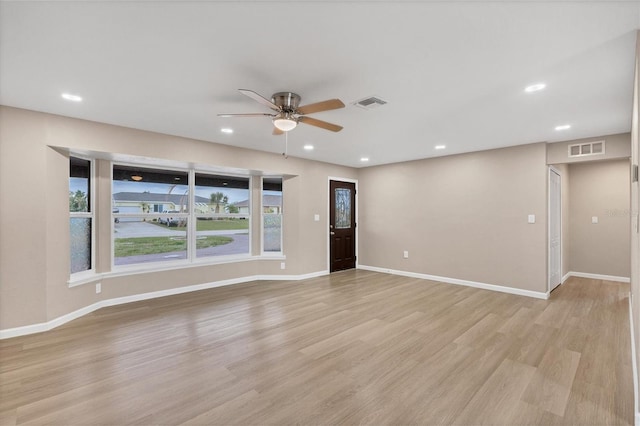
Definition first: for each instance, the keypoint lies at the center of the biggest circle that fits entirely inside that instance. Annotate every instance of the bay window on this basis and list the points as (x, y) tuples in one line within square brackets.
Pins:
[(272, 215), (81, 219), (178, 216), (222, 211)]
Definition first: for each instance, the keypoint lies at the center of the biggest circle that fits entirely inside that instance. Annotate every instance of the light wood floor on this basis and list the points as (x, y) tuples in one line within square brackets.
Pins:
[(357, 347)]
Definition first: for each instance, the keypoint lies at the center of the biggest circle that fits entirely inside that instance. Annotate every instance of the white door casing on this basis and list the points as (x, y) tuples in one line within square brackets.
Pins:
[(555, 229)]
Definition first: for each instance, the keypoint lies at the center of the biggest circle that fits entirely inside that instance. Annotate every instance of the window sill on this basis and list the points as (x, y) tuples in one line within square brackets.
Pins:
[(146, 269), (83, 278)]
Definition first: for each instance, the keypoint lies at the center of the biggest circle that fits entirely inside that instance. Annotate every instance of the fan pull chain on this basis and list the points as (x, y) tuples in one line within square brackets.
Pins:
[(286, 145)]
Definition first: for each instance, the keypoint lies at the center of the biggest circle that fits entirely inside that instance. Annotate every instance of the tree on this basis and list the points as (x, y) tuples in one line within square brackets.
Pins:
[(232, 208), (218, 198), (78, 201), (145, 209)]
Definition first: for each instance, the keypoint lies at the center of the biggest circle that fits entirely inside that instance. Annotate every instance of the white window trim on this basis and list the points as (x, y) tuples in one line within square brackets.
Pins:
[(191, 216), (146, 268), (262, 215), (88, 215)]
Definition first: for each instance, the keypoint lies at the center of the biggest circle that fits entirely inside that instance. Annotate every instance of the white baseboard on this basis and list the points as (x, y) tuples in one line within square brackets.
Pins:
[(597, 277), (56, 322), (634, 364), (566, 277), (493, 287)]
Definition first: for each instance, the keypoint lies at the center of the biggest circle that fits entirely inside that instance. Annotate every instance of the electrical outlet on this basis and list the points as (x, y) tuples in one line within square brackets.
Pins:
[(405, 254), (98, 288), (281, 265)]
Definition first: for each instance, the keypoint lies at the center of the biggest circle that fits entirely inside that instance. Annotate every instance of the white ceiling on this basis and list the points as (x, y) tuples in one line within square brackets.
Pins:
[(452, 73)]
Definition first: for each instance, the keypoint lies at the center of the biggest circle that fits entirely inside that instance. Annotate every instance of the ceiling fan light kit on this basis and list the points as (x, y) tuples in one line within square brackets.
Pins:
[(286, 112), (285, 122)]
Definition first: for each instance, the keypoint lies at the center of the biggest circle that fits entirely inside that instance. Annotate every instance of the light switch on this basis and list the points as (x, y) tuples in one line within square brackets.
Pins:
[(594, 219), (405, 254), (316, 217), (532, 218)]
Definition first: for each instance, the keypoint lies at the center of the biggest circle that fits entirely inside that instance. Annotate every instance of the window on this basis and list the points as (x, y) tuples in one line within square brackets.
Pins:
[(150, 214), (81, 215), (178, 215), (222, 211), (271, 215)]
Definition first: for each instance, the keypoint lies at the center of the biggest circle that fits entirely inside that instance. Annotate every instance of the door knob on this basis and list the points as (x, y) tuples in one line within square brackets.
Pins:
[(332, 233)]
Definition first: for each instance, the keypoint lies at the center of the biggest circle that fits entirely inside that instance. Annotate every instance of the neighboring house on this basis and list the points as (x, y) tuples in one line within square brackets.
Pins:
[(149, 202), (270, 204)]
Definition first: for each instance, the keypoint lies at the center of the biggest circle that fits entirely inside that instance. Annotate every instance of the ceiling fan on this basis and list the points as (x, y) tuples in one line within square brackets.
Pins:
[(287, 114)]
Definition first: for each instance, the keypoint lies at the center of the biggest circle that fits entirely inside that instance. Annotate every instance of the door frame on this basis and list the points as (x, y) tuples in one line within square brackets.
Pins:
[(559, 173), (328, 210)]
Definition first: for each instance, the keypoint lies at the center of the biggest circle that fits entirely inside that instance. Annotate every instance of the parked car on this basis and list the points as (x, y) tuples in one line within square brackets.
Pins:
[(169, 221)]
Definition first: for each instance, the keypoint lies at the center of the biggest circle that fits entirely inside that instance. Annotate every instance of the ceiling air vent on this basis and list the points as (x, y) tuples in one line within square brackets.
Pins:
[(371, 102)]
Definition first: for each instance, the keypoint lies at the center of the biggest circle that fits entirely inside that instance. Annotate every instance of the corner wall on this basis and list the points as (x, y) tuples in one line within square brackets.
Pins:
[(462, 217)]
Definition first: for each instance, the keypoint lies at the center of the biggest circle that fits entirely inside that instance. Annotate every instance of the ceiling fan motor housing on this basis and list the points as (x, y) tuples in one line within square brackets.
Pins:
[(287, 101)]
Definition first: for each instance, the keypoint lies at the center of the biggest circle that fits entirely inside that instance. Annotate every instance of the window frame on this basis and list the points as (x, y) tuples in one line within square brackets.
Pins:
[(91, 215), (249, 216), (191, 216), (262, 217)]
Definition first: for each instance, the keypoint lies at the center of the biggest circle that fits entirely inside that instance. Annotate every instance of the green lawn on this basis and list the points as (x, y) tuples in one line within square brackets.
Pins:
[(152, 245), (216, 225)]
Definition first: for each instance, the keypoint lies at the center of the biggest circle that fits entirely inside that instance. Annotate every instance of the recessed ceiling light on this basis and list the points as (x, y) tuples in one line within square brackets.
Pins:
[(364, 159), (535, 87), (440, 146), (308, 147), (137, 178), (226, 130), (563, 127), (70, 97)]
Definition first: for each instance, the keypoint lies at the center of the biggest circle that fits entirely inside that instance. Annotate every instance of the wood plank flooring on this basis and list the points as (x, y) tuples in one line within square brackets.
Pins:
[(356, 347)]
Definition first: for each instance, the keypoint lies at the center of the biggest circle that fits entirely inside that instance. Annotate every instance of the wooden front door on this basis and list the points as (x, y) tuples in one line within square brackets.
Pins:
[(342, 225)]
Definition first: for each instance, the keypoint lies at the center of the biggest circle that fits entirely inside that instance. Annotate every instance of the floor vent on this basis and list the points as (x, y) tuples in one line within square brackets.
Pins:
[(371, 102)]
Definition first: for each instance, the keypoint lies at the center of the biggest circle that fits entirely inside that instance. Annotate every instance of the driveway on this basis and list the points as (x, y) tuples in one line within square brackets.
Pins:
[(239, 245), (146, 229)]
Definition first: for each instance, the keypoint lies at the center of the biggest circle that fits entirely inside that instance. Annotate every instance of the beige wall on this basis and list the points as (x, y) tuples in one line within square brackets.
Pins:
[(616, 146), (34, 219), (600, 189), (462, 217)]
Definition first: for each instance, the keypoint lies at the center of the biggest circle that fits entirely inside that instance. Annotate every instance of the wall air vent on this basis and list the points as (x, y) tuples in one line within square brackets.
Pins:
[(372, 102), (583, 149)]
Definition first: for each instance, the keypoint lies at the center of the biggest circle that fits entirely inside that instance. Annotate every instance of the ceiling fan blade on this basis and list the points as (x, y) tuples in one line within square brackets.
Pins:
[(320, 123), (258, 98), (251, 114), (320, 106), (277, 132)]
